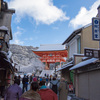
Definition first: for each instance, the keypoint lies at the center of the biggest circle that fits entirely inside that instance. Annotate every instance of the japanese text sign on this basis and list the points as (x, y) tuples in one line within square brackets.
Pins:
[(95, 53), (96, 29)]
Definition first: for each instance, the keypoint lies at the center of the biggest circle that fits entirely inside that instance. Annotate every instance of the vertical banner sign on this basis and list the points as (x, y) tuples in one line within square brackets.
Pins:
[(95, 29)]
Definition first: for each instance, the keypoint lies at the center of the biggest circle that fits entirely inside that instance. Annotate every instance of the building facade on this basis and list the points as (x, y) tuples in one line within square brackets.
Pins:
[(86, 79), (75, 44), (5, 26), (6, 68), (80, 39)]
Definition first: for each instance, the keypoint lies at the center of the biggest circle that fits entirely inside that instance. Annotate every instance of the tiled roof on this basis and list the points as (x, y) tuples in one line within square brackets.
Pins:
[(3, 28), (84, 63), (51, 47), (74, 33)]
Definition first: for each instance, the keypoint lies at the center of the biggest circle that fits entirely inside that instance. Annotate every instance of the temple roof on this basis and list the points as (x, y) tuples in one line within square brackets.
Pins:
[(51, 47)]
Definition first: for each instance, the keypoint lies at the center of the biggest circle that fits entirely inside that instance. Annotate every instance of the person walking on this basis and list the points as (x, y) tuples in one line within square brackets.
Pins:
[(54, 85), (25, 83), (32, 93), (15, 77), (63, 91), (40, 79), (13, 92), (47, 80), (18, 79), (46, 93), (35, 79), (31, 77)]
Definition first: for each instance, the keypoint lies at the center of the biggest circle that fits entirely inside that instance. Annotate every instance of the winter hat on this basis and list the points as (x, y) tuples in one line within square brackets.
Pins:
[(34, 79)]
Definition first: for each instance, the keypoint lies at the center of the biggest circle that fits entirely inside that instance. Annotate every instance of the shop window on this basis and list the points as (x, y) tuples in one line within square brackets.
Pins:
[(79, 45)]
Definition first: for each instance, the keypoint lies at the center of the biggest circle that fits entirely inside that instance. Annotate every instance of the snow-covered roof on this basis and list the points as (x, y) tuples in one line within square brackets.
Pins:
[(51, 47), (9, 54), (4, 28), (66, 65), (71, 62), (6, 55), (77, 54), (3, 52), (85, 58), (74, 33), (13, 64), (84, 63)]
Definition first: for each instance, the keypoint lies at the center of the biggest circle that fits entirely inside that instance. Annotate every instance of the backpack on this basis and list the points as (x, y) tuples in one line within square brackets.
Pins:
[(54, 87)]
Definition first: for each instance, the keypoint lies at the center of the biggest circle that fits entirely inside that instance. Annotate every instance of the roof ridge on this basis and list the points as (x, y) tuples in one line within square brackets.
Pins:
[(49, 44)]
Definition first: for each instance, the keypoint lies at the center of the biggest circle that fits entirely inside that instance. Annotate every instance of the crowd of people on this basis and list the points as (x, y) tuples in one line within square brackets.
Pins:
[(41, 88)]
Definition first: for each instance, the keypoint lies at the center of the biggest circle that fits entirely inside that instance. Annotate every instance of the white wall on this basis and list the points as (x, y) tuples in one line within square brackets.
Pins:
[(72, 47)]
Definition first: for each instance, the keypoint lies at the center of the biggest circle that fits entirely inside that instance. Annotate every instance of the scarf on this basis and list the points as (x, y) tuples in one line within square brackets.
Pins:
[(43, 87)]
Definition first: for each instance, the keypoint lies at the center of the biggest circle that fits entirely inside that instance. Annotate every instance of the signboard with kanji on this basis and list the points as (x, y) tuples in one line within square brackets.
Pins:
[(95, 53), (96, 29)]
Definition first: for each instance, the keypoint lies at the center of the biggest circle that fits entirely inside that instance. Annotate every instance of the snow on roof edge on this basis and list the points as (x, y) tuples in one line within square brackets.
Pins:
[(84, 63)]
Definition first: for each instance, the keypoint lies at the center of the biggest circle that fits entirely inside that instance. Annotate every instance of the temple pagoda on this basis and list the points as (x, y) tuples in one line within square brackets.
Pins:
[(51, 53)]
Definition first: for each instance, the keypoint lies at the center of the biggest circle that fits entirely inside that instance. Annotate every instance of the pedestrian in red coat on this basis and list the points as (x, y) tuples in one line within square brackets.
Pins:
[(45, 93)]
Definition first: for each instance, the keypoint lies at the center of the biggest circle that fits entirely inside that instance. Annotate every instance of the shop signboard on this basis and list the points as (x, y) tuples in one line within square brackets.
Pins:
[(92, 53), (96, 29)]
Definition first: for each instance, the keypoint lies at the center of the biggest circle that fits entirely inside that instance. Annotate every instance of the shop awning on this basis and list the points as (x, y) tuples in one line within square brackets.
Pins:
[(66, 66), (84, 63), (5, 62)]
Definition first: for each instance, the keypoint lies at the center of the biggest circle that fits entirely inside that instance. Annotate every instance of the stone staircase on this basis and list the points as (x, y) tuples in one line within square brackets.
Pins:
[(47, 72)]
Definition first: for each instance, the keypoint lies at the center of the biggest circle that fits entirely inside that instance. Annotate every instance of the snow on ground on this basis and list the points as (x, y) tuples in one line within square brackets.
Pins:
[(25, 60), (49, 72)]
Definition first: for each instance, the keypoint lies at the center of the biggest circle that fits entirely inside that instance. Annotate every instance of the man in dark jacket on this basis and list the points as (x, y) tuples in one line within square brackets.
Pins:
[(25, 82), (54, 85)]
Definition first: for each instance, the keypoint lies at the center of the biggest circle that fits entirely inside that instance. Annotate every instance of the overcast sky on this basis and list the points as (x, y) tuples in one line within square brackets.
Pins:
[(39, 22)]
